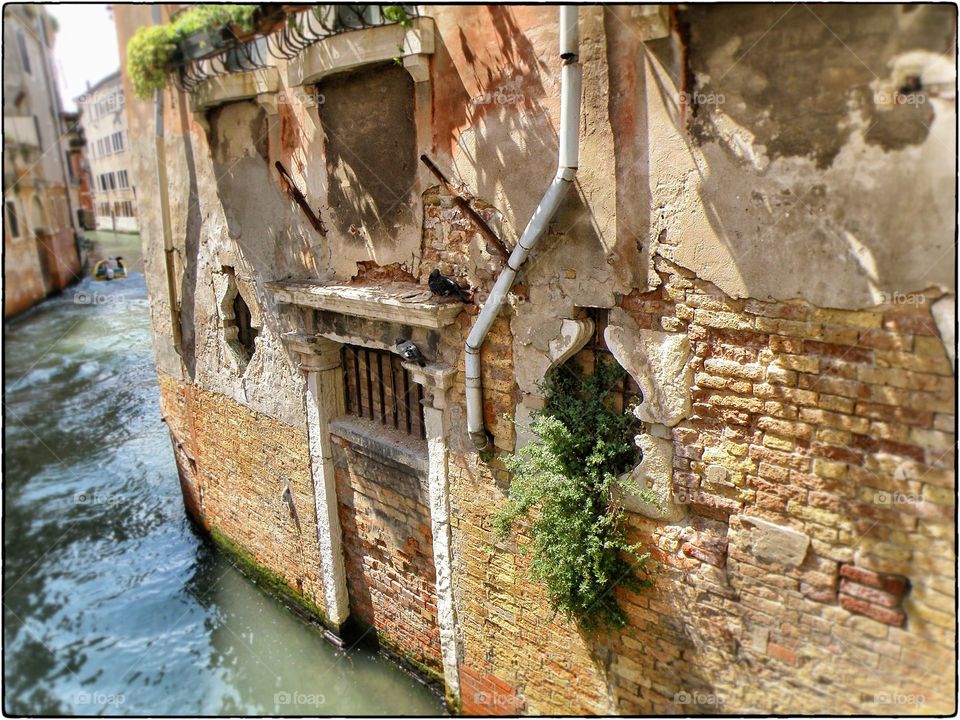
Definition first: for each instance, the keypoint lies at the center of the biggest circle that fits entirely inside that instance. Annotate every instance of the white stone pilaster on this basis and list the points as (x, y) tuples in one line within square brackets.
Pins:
[(320, 363), (436, 381)]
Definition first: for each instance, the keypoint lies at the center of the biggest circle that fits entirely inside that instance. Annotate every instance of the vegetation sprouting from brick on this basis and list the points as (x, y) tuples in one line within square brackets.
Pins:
[(569, 475)]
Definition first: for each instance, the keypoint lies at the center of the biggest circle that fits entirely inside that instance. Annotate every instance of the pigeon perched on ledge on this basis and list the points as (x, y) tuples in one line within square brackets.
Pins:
[(410, 352), (446, 287)]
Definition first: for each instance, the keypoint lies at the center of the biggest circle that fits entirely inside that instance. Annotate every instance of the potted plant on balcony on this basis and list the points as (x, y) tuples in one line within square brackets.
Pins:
[(201, 30)]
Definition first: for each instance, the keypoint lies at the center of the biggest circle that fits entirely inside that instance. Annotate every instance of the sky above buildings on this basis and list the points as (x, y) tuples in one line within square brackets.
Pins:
[(86, 47)]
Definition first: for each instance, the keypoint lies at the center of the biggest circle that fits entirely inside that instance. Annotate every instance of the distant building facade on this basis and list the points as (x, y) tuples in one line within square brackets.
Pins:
[(39, 234), (104, 125), (78, 172)]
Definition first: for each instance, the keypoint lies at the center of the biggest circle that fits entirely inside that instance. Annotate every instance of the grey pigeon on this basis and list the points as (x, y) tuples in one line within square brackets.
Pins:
[(446, 287), (410, 352)]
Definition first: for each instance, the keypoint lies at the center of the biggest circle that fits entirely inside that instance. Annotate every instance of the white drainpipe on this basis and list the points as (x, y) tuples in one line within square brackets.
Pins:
[(570, 87)]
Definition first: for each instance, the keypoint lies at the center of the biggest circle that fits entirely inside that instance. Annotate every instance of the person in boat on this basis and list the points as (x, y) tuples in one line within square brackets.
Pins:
[(110, 268)]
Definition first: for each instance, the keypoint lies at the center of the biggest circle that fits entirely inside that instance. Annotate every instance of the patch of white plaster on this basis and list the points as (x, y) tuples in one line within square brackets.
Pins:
[(944, 313), (653, 477), (658, 361)]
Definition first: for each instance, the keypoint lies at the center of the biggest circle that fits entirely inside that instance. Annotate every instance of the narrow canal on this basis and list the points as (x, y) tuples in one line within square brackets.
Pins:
[(112, 603)]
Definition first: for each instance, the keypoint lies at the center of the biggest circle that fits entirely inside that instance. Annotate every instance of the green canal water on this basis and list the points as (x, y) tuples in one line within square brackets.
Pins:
[(112, 604)]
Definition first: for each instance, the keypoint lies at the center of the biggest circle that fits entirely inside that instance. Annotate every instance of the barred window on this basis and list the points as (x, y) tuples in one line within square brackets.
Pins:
[(377, 387)]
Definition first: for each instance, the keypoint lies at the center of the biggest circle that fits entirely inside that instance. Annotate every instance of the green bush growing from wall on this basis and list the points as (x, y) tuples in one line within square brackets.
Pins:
[(566, 481), (152, 48)]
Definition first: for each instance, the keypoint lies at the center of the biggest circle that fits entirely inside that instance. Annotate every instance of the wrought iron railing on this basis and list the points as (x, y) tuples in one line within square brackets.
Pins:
[(298, 31)]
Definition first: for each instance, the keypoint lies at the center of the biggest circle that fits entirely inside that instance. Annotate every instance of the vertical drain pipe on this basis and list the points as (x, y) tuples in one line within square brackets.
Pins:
[(569, 150), (163, 187)]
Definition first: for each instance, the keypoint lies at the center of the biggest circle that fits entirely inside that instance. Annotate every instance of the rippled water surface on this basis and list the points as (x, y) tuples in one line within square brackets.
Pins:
[(112, 604)]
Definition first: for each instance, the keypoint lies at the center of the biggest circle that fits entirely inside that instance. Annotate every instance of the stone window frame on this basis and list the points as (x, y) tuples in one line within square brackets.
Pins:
[(573, 334), (228, 285), (318, 356)]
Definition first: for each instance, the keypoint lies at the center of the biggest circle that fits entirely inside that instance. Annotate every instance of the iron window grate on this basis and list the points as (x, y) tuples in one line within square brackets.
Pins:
[(377, 387)]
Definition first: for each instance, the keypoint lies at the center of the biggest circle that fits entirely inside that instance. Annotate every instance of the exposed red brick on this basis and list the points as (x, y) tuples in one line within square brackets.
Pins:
[(873, 595), (841, 352), (878, 613), (483, 693), (781, 653), (703, 555), (893, 584)]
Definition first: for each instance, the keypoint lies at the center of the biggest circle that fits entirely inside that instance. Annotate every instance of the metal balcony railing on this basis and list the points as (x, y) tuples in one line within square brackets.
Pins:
[(299, 30)]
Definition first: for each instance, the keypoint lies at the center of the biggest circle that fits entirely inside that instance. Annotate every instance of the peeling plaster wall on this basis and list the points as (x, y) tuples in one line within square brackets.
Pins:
[(793, 168), (738, 156)]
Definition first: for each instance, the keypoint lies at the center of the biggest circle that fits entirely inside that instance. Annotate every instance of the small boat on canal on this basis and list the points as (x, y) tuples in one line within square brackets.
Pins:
[(110, 269)]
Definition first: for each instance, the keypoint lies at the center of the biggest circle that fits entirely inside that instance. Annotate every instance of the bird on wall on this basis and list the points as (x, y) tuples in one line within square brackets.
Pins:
[(446, 287), (410, 352)]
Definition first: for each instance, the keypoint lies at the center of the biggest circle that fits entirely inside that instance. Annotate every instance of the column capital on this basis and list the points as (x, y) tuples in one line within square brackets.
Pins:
[(436, 380), (314, 352)]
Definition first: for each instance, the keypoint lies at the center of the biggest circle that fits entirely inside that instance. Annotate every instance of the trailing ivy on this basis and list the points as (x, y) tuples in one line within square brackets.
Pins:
[(565, 482), (152, 48)]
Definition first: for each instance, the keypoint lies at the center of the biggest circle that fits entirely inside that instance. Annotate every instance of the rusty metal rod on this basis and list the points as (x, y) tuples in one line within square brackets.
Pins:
[(464, 205), (299, 199)]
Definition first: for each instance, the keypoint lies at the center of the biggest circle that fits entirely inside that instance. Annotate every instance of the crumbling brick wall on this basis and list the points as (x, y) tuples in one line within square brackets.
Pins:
[(835, 425), (388, 553), (238, 465)]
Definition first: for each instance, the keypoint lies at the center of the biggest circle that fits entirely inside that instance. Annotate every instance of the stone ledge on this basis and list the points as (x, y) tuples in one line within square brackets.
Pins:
[(383, 444), (350, 50), (235, 86), (384, 303)]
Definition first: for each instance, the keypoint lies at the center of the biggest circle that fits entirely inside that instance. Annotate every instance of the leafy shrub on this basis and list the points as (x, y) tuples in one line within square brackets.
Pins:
[(397, 14), (564, 481), (152, 48)]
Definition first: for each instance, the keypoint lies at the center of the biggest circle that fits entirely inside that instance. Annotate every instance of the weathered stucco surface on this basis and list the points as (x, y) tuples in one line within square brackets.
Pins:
[(747, 175), (795, 167)]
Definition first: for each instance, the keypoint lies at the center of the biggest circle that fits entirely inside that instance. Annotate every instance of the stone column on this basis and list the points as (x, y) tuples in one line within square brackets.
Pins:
[(320, 364), (436, 380)]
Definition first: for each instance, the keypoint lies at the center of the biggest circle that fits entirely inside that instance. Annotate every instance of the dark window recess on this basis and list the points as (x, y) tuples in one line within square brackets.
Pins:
[(378, 388), (13, 222), (24, 55), (627, 392), (246, 332)]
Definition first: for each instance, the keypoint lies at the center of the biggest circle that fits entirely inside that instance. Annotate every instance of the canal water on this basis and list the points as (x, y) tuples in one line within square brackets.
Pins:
[(112, 604)]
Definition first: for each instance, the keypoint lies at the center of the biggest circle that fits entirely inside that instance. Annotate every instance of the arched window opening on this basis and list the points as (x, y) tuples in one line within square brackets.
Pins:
[(246, 332)]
